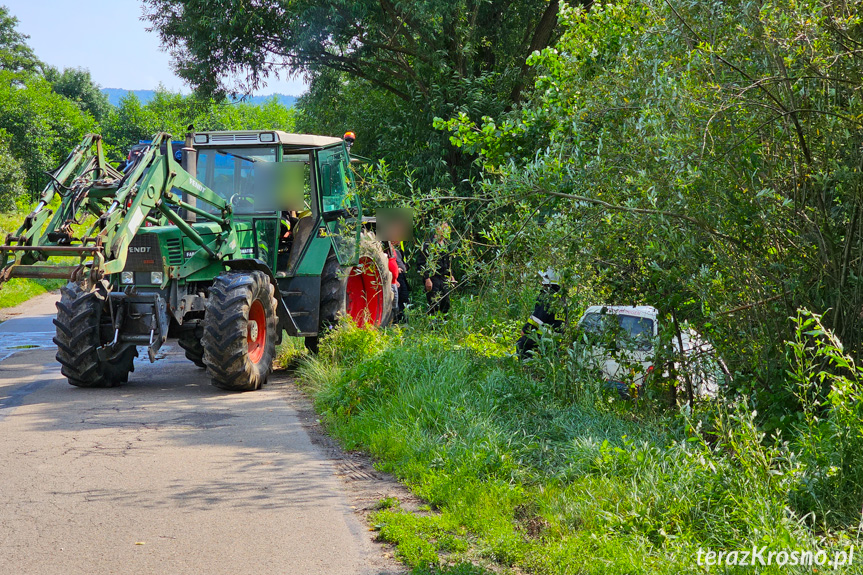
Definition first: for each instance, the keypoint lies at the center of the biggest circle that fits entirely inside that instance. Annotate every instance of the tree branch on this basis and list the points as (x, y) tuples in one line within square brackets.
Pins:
[(647, 211), (751, 305)]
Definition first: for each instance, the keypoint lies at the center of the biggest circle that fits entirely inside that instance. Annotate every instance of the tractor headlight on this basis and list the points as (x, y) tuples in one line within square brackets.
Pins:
[(127, 277), (156, 278)]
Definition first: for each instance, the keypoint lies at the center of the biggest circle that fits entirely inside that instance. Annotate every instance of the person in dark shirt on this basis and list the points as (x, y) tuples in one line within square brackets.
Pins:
[(543, 314), (435, 267)]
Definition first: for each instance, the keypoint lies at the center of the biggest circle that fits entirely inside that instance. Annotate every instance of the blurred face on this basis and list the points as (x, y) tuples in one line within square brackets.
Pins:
[(394, 224), (442, 232), (398, 231)]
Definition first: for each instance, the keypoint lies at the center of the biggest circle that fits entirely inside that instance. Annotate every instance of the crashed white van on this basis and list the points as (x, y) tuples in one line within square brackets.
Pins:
[(623, 340)]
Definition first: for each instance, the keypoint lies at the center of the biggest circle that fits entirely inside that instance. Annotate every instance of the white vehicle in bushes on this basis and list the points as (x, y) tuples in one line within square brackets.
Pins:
[(623, 342)]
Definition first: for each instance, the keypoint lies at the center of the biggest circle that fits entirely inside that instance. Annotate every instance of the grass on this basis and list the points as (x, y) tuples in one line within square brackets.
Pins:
[(19, 290), (525, 473)]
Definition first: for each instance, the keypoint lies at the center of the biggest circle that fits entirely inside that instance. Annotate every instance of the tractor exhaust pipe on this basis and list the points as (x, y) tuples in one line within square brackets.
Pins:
[(190, 164)]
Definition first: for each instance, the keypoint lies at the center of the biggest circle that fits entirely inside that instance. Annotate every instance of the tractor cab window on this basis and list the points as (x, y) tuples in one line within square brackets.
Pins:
[(292, 185), (336, 179), (235, 174)]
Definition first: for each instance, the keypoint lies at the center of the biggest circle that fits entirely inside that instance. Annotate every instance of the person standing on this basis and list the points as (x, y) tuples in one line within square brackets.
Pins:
[(404, 290), (435, 266), (543, 315), (392, 262)]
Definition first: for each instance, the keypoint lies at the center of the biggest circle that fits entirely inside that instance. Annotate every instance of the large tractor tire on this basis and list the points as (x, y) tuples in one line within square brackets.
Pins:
[(239, 339), (362, 292), (190, 341), (79, 316)]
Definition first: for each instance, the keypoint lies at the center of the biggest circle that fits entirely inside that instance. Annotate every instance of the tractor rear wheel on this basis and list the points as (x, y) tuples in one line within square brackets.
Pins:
[(362, 292), (190, 341), (78, 323), (239, 338)]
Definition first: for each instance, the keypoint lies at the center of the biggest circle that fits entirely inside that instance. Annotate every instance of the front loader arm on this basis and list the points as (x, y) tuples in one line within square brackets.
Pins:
[(160, 189), (122, 203), (84, 165), (37, 237)]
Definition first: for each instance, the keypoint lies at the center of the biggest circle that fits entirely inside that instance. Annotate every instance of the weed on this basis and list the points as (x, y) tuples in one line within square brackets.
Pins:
[(290, 352)]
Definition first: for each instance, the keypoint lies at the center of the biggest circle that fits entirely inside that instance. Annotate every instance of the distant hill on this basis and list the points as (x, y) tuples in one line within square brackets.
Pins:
[(114, 95)]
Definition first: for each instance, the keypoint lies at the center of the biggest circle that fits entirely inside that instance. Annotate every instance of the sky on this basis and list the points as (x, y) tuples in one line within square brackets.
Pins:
[(108, 38)]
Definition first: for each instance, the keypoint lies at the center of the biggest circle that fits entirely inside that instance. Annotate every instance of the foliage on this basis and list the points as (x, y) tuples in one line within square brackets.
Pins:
[(701, 158), (42, 125), (398, 47), (19, 290), (11, 175), (77, 85), (386, 126), (15, 54), (44, 113), (829, 385), (401, 63), (133, 121)]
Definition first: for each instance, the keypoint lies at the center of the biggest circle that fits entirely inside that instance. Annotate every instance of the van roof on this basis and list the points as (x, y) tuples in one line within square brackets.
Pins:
[(645, 311)]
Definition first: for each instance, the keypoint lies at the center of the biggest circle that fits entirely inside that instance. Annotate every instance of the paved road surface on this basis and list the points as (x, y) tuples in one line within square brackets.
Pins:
[(164, 475)]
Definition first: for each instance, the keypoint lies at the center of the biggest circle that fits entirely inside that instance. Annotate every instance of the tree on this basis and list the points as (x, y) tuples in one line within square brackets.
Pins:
[(171, 112), (386, 127), (42, 125), (428, 58), (77, 85), (15, 54), (11, 175), (700, 158)]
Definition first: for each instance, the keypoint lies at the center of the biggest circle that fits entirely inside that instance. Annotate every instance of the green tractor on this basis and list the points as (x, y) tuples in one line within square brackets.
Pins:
[(252, 234)]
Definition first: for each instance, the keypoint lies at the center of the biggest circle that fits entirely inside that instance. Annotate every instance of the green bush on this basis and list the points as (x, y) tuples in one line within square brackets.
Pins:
[(43, 126), (829, 386)]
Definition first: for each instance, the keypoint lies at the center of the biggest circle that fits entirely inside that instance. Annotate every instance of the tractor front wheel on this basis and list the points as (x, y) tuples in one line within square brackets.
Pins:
[(78, 323), (239, 338)]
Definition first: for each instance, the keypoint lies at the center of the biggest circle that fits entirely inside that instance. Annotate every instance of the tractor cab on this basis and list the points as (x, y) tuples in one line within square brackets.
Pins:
[(287, 187)]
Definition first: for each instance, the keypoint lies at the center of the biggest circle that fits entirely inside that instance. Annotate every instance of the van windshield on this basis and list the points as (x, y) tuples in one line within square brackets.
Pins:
[(629, 331)]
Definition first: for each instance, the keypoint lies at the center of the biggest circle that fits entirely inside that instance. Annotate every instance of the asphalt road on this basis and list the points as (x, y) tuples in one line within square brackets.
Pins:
[(163, 475)]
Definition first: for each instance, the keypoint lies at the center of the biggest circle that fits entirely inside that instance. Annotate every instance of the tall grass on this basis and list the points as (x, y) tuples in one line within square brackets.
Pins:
[(544, 473)]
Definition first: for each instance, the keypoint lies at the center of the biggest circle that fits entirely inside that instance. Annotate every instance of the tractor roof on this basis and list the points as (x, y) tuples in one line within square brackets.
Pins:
[(266, 136)]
